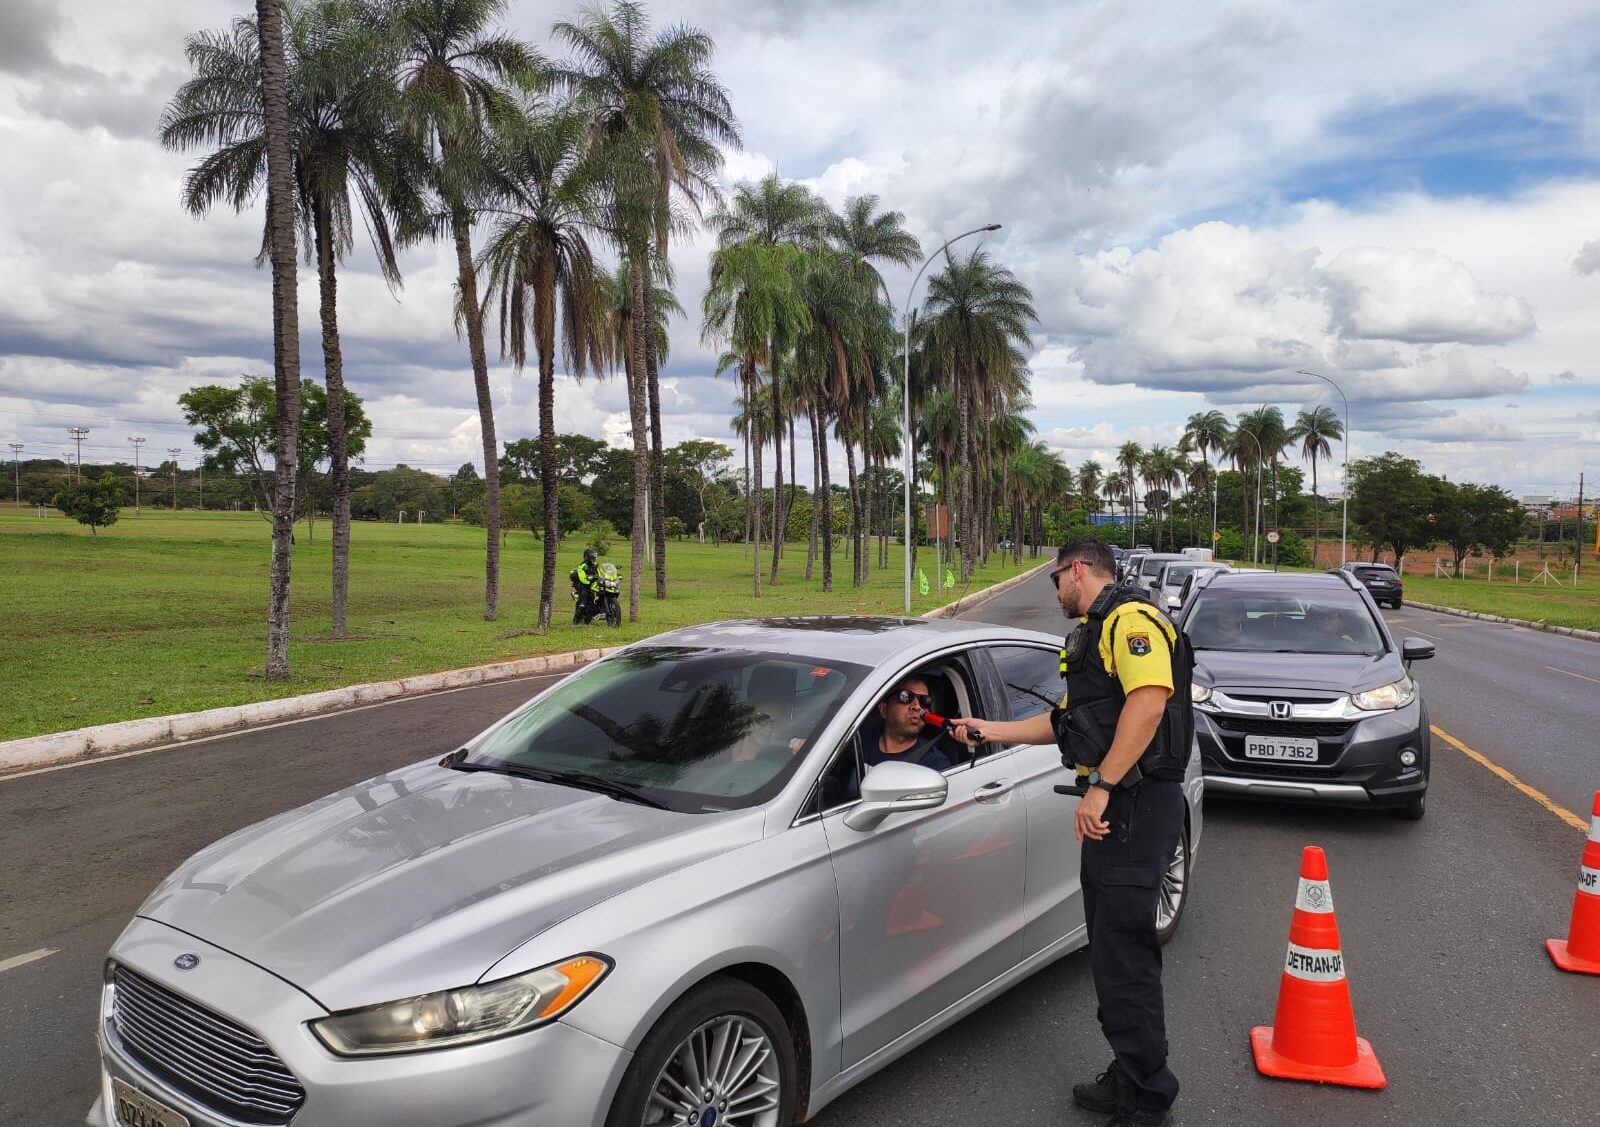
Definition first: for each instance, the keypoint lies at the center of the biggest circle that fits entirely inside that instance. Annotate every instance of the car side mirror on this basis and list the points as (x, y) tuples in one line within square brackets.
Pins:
[(1416, 649), (893, 788)]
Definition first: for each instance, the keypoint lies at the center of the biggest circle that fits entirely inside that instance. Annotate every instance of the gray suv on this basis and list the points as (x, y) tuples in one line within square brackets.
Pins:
[(1300, 692)]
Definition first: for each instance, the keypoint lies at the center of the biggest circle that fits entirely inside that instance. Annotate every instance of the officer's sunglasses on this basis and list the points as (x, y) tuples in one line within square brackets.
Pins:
[(906, 696), (1055, 576)]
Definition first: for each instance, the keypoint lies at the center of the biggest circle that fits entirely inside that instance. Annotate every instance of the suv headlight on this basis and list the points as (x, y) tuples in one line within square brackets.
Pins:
[(1200, 695), (459, 1017), (1387, 697)]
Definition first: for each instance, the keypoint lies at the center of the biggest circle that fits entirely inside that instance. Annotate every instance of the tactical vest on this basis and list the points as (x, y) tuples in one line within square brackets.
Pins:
[(1087, 725)]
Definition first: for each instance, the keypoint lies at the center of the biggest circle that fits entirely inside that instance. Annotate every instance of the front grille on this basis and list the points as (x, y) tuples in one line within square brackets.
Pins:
[(1260, 726), (222, 1065)]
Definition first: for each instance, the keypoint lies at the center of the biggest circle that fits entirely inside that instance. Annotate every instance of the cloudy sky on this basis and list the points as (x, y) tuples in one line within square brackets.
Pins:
[(1205, 198)]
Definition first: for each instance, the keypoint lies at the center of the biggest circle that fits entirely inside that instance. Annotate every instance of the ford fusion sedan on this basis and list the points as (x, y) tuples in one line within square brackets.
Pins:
[(1301, 693), (664, 891)]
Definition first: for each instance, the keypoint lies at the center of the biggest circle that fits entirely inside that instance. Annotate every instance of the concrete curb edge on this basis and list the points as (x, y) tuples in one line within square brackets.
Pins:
[(1548, 628), (30, 753)]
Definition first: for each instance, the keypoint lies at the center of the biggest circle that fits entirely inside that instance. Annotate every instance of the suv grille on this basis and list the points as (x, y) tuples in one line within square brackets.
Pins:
[(1255, 726), (223, 1065)]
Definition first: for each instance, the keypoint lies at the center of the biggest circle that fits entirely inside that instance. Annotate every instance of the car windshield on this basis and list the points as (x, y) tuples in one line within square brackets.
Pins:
[(1281, 622), (1375, 573), (696, 729), (1176, 574)]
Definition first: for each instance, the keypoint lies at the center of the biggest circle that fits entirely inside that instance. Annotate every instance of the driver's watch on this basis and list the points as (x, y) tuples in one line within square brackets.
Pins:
[(1096, 781)]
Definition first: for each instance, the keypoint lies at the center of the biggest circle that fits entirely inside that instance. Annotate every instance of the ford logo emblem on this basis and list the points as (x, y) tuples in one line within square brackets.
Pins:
[(186, 961)]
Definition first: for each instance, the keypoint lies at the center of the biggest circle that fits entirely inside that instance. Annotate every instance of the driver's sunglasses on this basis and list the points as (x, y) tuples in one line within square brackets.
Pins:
[(1055, 576), (906, 696)]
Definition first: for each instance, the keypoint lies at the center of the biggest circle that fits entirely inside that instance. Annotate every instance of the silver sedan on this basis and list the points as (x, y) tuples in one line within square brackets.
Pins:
[(681, 886)]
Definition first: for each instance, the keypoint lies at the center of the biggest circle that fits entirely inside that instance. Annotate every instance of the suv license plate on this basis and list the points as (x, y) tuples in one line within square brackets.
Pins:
[(1276, 747), (135, 1109)]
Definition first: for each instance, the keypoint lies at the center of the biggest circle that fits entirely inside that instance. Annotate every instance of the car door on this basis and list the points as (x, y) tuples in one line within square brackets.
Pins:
[(1052, 899), (930, 902)]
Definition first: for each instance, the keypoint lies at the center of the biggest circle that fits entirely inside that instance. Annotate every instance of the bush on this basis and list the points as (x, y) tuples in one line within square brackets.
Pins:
[(94, 503), (598, 535)]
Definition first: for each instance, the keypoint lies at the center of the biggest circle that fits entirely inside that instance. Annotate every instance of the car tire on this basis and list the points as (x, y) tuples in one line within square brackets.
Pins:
[(1174, 890), (1414, 808), (718, 1006), (1395, 604)]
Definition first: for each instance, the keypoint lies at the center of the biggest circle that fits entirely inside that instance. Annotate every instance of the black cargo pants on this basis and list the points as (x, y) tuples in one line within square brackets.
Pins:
[(1122, 875)]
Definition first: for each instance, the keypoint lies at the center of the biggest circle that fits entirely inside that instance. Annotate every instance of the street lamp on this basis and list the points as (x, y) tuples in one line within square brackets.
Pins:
[(905, 399), (1344, 516)]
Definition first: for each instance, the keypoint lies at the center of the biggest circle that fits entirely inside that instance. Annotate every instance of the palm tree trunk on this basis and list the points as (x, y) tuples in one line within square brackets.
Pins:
[(777, 467), (965, 483), (755, 490), (746, 442), (544, 329), (1316, 514), (816, 492), (794, 479), (867, 495), (658, 520), (285, 325), (641, 438), (467, 279), (855, 514), (825, 502), (338, 436)]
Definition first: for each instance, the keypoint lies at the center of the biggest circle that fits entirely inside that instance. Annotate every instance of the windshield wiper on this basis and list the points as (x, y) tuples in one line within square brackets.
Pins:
[(455, 761)]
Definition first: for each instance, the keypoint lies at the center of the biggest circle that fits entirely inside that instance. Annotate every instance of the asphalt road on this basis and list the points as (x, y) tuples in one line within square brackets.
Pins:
[(1443, 921)]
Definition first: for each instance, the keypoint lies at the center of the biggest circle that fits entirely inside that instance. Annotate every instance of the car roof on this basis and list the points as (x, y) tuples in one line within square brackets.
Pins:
[(864, 639), (1280, 581)]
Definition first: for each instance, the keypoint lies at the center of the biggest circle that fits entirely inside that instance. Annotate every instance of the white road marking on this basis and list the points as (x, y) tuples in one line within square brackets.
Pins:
[(23, 960), (1570, 673)]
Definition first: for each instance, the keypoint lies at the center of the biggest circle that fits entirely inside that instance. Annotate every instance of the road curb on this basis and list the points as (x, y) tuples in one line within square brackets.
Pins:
[(33, 752), (1548, 628)]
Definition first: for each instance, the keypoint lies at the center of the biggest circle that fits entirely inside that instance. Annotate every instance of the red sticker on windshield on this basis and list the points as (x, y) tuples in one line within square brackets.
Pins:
[(820, 671)]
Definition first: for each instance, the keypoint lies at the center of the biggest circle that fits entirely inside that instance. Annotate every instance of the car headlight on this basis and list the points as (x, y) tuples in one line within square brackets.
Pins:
[(1387, 697), (1199, 694), (458, 1017)]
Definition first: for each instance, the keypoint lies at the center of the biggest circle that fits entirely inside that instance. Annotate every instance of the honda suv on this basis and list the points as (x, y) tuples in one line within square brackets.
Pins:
[(1381, 579), (1300, 692)]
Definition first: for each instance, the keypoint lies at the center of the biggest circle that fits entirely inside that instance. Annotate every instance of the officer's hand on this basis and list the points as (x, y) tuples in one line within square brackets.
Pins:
[(968, 730), (1088, 821)]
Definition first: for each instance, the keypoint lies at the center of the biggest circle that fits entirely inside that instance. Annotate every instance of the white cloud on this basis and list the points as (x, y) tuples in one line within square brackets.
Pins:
[(1421, 297), (1588, 259)]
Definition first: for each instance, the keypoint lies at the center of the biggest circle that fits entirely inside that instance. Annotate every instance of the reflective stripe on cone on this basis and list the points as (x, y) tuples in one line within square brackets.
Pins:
[(1579, 952)]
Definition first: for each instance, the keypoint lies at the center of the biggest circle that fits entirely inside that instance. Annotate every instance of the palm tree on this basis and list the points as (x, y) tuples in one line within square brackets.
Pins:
[(537, 263), (752, 299), (1266, 423), (1091, 476), (1129, 455), (864, 235), (976, 318), (272, 67), (1159, 470), (345, 113), (452, 72), (659, 90), (1313, 430), (1204, 432)]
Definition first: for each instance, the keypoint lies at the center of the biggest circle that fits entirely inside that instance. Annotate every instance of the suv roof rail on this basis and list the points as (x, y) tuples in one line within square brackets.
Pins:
[(1349, 578)]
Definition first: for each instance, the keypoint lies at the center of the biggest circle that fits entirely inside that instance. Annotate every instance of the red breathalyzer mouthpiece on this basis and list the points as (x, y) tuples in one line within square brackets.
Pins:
[(937, 721)]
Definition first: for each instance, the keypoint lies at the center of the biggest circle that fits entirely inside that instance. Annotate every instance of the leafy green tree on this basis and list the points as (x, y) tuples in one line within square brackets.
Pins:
[(94, 502), (1476, 518), (1390, 502), (698, 462)]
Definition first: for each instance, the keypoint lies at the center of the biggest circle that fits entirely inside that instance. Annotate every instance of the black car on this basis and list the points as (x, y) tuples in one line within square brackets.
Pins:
[(1300, 692), (1382, 580)]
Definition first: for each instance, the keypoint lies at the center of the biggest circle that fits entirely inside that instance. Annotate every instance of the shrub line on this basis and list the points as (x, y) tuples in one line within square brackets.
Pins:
[(32, 753)]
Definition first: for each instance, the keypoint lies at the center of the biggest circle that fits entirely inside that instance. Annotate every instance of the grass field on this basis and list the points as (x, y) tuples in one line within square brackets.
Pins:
[(1565, 605), (165, 613)]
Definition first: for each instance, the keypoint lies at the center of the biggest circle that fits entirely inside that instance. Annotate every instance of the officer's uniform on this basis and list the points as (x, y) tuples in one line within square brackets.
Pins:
[(588, 580), (1125, 642)]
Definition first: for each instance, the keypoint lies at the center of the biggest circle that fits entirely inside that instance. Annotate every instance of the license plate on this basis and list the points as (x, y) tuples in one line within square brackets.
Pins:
[(135, 1109), (1277, 747)]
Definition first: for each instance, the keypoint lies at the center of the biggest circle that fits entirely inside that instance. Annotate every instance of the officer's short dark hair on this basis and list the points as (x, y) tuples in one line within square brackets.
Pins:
[(1091, 551)]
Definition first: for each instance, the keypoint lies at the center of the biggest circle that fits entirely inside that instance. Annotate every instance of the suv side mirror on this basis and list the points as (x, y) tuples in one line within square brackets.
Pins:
[(1416, 649), (892, 788)]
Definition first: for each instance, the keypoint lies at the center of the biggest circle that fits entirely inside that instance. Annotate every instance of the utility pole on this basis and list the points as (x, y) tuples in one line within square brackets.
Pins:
[(78, 434), (1577, 541), (202, 471), (174, 451), (138, 441), (16, 458)]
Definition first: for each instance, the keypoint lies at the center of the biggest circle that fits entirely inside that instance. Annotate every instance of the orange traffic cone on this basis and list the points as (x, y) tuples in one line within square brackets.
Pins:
[(1580, 950), (1314, 1037)]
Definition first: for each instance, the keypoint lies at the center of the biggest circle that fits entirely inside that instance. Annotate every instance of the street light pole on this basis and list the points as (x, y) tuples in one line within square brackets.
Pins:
[(905, 400), (174, 451), (138, 441), (1344, 516), (16, 460)]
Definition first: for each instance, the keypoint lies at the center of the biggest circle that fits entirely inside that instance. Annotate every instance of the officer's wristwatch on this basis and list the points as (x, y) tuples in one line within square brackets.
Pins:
[(1096, 781)]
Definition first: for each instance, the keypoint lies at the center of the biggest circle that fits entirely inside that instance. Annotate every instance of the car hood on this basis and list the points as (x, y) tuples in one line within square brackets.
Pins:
[(1332, 673), (422, 879)]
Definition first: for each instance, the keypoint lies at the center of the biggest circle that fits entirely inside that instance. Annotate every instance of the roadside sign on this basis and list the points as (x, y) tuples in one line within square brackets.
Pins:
[(1215, 535), (1272, 538)]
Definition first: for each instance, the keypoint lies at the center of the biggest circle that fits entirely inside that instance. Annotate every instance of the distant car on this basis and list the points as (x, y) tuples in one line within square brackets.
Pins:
[(1300, 692), (1175, 581), (1379, 578), (1148, 577), (664, 891), (1130, 565), (1005, 545)]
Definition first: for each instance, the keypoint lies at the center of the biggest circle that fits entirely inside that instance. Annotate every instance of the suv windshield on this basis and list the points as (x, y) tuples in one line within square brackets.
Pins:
[(1246, 621), (1371, 571), (695, 729), (1176, 574)]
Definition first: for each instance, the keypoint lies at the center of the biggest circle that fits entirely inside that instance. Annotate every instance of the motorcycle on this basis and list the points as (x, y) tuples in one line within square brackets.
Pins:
[(606, 598)]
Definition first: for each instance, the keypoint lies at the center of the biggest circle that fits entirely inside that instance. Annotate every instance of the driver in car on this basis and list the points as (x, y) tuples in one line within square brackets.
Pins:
[(902, 737)]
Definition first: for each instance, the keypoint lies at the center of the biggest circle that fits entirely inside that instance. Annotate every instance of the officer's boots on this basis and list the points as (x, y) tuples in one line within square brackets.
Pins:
[(1110, 1091)]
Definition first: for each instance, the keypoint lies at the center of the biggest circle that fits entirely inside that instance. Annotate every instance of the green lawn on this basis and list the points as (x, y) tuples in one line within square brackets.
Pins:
[(1559, 606), (166, 613)]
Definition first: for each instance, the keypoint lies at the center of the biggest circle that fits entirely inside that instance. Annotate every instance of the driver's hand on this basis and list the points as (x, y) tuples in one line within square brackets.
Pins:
[(968, 730)]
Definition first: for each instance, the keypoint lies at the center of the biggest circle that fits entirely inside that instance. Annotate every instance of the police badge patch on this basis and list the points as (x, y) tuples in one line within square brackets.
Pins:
[(1138, 644)]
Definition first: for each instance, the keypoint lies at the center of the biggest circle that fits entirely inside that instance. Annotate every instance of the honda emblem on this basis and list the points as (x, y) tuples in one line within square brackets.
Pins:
[(1280, 709)]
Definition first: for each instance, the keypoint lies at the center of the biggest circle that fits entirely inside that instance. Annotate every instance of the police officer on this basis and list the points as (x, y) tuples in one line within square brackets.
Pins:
[(586, 582), (1125, 728)]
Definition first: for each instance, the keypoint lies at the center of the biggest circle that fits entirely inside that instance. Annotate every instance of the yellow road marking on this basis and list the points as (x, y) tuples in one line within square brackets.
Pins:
[(1570, 673), (1534, 793)]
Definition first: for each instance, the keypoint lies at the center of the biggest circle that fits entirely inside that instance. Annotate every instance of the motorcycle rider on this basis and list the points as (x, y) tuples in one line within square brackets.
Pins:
[(586, 582)]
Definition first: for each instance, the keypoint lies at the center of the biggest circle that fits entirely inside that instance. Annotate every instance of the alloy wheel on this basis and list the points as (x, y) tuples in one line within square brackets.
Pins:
[(1174, 884), (723, 1074)]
